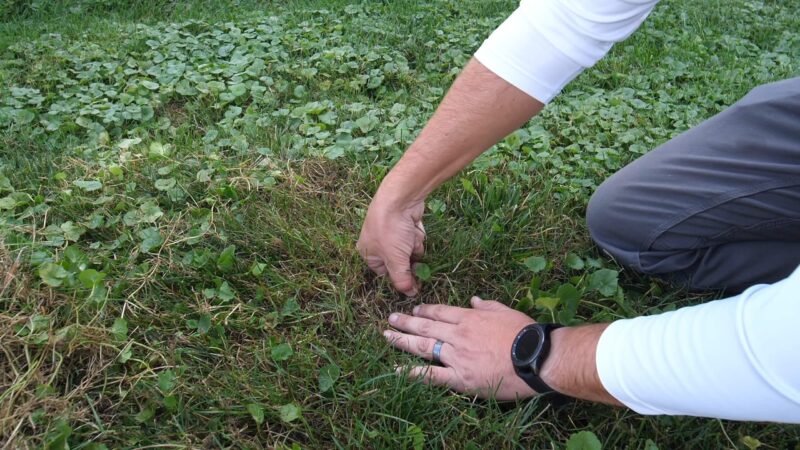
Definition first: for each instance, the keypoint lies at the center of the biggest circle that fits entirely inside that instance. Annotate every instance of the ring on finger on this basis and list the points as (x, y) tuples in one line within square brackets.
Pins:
[(436, 355)]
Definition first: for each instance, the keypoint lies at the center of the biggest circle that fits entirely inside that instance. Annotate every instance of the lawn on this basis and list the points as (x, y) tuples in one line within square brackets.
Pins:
[(182, 185)]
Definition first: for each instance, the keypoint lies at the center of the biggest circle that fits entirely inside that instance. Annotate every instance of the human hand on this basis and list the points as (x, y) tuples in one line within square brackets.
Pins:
[(476, 355), (390, 237)]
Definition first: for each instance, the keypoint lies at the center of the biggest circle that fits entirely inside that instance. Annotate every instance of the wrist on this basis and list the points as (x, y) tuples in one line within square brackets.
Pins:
[(398, 192), (571, 367)]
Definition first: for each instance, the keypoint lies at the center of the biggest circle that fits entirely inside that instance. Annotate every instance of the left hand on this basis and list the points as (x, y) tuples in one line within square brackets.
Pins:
[(476, 355)]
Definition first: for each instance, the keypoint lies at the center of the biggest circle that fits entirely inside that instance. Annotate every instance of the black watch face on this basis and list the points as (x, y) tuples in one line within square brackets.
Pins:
[(527, 346)]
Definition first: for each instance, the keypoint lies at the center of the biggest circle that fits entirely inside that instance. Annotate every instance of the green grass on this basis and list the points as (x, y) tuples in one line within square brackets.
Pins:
[(212, 226)]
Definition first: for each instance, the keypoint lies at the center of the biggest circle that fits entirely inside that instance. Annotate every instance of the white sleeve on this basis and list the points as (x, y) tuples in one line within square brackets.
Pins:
[(737, 358), (544, 44)]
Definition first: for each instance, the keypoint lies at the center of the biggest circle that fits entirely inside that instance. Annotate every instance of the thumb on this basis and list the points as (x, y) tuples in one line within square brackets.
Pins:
[(403, 278), (486, 305)]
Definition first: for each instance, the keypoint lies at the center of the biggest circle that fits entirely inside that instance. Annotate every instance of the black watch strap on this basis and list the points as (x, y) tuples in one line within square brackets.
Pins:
[(535, 381)]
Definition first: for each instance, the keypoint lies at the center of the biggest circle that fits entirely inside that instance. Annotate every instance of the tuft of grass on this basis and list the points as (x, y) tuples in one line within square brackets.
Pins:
[(182, 185)]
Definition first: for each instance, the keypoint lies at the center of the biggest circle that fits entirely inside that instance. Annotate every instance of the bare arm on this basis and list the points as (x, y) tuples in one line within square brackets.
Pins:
[(480, 109), (571, 367)]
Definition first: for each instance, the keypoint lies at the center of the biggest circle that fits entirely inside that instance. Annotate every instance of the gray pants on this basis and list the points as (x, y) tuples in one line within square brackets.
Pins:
[(717, 207)]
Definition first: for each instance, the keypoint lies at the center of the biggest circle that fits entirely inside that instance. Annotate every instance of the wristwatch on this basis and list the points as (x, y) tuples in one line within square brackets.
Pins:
[(528, 353)]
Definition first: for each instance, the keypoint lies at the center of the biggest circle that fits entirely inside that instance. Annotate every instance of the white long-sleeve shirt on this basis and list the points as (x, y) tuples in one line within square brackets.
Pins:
[(737, 358)]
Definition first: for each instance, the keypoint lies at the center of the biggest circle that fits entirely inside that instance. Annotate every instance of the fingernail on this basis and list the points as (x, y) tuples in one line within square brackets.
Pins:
[(476, 299), (393, 318), (416, 310), (387, 334)]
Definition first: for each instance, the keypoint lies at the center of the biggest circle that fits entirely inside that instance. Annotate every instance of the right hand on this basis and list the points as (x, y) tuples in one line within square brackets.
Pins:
[(391, 238)]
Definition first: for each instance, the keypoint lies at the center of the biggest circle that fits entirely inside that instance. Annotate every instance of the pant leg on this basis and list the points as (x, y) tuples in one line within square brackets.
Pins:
[(717, 207)]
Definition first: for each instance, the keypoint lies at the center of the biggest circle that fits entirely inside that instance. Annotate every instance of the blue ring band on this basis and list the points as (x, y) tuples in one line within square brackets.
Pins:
[(437, 352)]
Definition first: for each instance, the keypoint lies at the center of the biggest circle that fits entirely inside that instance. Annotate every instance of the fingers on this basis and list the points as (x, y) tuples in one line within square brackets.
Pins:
[(423, 327), (434, 375), (419, 241), (419, 346), (419, 247), (487, 305), (441, 313), (402, 278), (376, 265)]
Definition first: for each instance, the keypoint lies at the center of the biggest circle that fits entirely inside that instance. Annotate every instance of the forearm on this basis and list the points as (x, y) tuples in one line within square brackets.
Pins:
[(571, 367), (479, 110)]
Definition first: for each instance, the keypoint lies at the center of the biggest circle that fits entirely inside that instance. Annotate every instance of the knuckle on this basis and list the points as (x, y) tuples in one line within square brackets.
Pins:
[(424, 327), (422, 346)]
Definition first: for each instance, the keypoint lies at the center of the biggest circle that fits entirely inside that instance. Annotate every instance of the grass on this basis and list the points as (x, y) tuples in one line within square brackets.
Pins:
[(177, 220)]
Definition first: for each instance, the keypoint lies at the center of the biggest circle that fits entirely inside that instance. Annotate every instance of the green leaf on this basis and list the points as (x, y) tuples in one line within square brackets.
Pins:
[(282, 352), (7, 203), (257, 412), (574, 261), (150, 85), (328, 375), (52, 274), (366, 123), (334, 152), (150, 212), (147, 413), (84, 122), (417, 437), (72, 232), (525, 304), (171, 403), (749, 442), (163, 184), (650, 445), (605, 281), (422, 271), (125, 354), (159, 150), (88, 185), (225, 293), (238, 90), (25, 116), (227, 258), (120, 329), (74, 259), (258, 268), (468, 186), (91, 278), (204, 324), (289, 412), (584, 440), (151, 239), (570, 297), (548, 303), (535, 264), (58, 438), (5, 184), (290, 307), (166, 380)]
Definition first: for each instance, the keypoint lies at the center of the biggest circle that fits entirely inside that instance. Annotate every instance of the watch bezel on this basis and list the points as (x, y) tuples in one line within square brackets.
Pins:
[(528, 363)]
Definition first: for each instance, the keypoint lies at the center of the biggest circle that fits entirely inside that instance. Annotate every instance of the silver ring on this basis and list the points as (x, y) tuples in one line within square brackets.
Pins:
[(437, 352)]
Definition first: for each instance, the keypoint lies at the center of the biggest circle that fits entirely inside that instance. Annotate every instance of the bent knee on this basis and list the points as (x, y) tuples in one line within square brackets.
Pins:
[(612, 224)]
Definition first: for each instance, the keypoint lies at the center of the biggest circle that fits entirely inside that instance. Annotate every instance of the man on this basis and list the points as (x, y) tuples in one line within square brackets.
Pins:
[(715, 208)]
